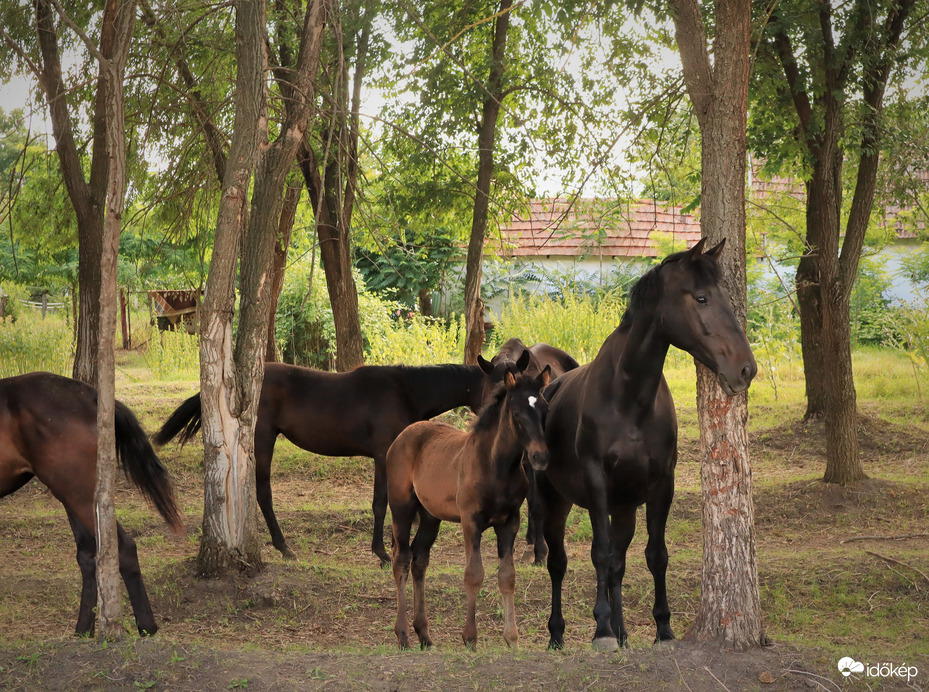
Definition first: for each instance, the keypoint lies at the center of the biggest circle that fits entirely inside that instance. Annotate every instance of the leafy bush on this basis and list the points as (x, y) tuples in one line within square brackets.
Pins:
[(31, 343), (304, 325)]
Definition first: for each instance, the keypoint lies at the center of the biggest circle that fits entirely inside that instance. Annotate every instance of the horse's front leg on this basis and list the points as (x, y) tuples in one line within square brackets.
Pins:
[(623, 526), (601, 554), (264, 451), (556, 509), (473, 576), (506, 576), (534, 536), (379, 507), (656, 554)]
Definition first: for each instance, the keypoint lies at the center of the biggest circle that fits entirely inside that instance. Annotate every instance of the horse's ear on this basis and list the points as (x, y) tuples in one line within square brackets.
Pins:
[(509, 380), (523, 361), (714, 252), (485, 364), (697, 250), (545, 376)]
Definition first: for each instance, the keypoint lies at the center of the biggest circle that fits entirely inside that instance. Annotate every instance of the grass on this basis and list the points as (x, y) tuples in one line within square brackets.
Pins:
[(334, 605)]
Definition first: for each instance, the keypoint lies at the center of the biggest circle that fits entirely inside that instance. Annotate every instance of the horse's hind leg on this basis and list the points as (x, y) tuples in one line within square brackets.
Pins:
[(86, 552), (132, 578), (402, 512), (422, 545), (506, 577), (379, 508), (264, 450), (656, 554)]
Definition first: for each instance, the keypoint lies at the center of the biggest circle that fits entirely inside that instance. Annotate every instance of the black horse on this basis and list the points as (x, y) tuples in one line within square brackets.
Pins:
[(612, 430), (559, 362), (48, 429), (357, 413)]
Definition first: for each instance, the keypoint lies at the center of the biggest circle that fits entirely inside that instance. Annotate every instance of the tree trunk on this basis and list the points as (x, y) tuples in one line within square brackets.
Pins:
[(331, 184), (730, 604), (474, 306), (115, 37), (284, 231), (230, 523), (88, 199)]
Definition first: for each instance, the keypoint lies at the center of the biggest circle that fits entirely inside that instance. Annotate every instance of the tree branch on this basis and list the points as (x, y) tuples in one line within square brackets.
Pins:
[(690, 32)]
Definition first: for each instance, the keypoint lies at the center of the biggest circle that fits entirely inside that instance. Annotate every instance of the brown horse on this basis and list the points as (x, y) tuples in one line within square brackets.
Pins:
[(440, 473), (560, 362), (48, 429), (357, 413), (612, 430)]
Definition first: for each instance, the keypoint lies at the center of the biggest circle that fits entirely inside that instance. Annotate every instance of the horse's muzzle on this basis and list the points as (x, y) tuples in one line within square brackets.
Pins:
[(740, 381), (538, 459)]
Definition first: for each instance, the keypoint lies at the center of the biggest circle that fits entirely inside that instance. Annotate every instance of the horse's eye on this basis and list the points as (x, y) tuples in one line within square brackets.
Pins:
[(701, 300)]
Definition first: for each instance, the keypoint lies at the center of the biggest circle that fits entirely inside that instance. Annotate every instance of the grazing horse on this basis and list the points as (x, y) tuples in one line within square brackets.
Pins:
[(357, 413), (440, 473), (560, 362), (48, 429), (612, 430)]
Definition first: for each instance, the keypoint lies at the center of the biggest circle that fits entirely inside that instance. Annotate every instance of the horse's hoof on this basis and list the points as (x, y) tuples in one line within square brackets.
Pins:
[(425, 644), (554, 645), (606, 644), (663, 637), (288, 554), (385, 563)]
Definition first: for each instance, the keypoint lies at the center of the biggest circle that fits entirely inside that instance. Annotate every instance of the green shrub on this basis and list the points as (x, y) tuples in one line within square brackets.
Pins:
[(30, 343)]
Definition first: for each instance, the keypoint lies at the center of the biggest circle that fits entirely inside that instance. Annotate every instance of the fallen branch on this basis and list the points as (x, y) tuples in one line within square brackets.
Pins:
[(885, 538), (716, 679), (899, 562)]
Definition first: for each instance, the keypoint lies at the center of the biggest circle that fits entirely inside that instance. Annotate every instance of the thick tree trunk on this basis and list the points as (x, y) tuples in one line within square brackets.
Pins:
[(474, 306), (730, 603), (284, 231), (230, 523), (230, 507)]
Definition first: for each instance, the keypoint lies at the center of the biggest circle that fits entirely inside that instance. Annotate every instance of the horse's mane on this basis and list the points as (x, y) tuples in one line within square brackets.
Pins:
[(645, 290), (490, 412)]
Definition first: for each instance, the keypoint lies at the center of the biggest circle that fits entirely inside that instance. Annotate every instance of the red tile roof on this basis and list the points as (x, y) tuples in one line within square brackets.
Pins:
[(565, 227)]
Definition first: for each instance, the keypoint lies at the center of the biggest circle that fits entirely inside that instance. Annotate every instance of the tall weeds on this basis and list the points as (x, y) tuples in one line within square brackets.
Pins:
[(31, 343)]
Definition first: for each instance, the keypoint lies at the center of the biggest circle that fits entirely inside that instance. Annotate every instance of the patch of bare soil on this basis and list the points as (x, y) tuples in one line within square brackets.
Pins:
[(158, 664)]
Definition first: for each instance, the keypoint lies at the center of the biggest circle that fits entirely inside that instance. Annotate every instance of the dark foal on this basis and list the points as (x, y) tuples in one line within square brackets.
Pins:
[(612, 430), (357, 413), (440, 473), (560, 362), (48, 429)]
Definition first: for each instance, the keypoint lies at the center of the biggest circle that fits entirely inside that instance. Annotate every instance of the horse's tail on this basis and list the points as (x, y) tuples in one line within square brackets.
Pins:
[(143, 467), (184, 421)]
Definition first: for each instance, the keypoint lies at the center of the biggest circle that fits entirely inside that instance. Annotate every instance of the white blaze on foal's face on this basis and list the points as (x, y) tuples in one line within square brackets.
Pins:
[(532, 401)]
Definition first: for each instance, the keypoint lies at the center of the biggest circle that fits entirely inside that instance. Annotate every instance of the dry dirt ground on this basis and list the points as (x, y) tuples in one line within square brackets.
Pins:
[(325, 621)]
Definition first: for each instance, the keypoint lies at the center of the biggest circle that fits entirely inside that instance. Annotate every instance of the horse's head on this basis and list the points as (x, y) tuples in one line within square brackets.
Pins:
[(528, 409), (693, 312), (497, 367)]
